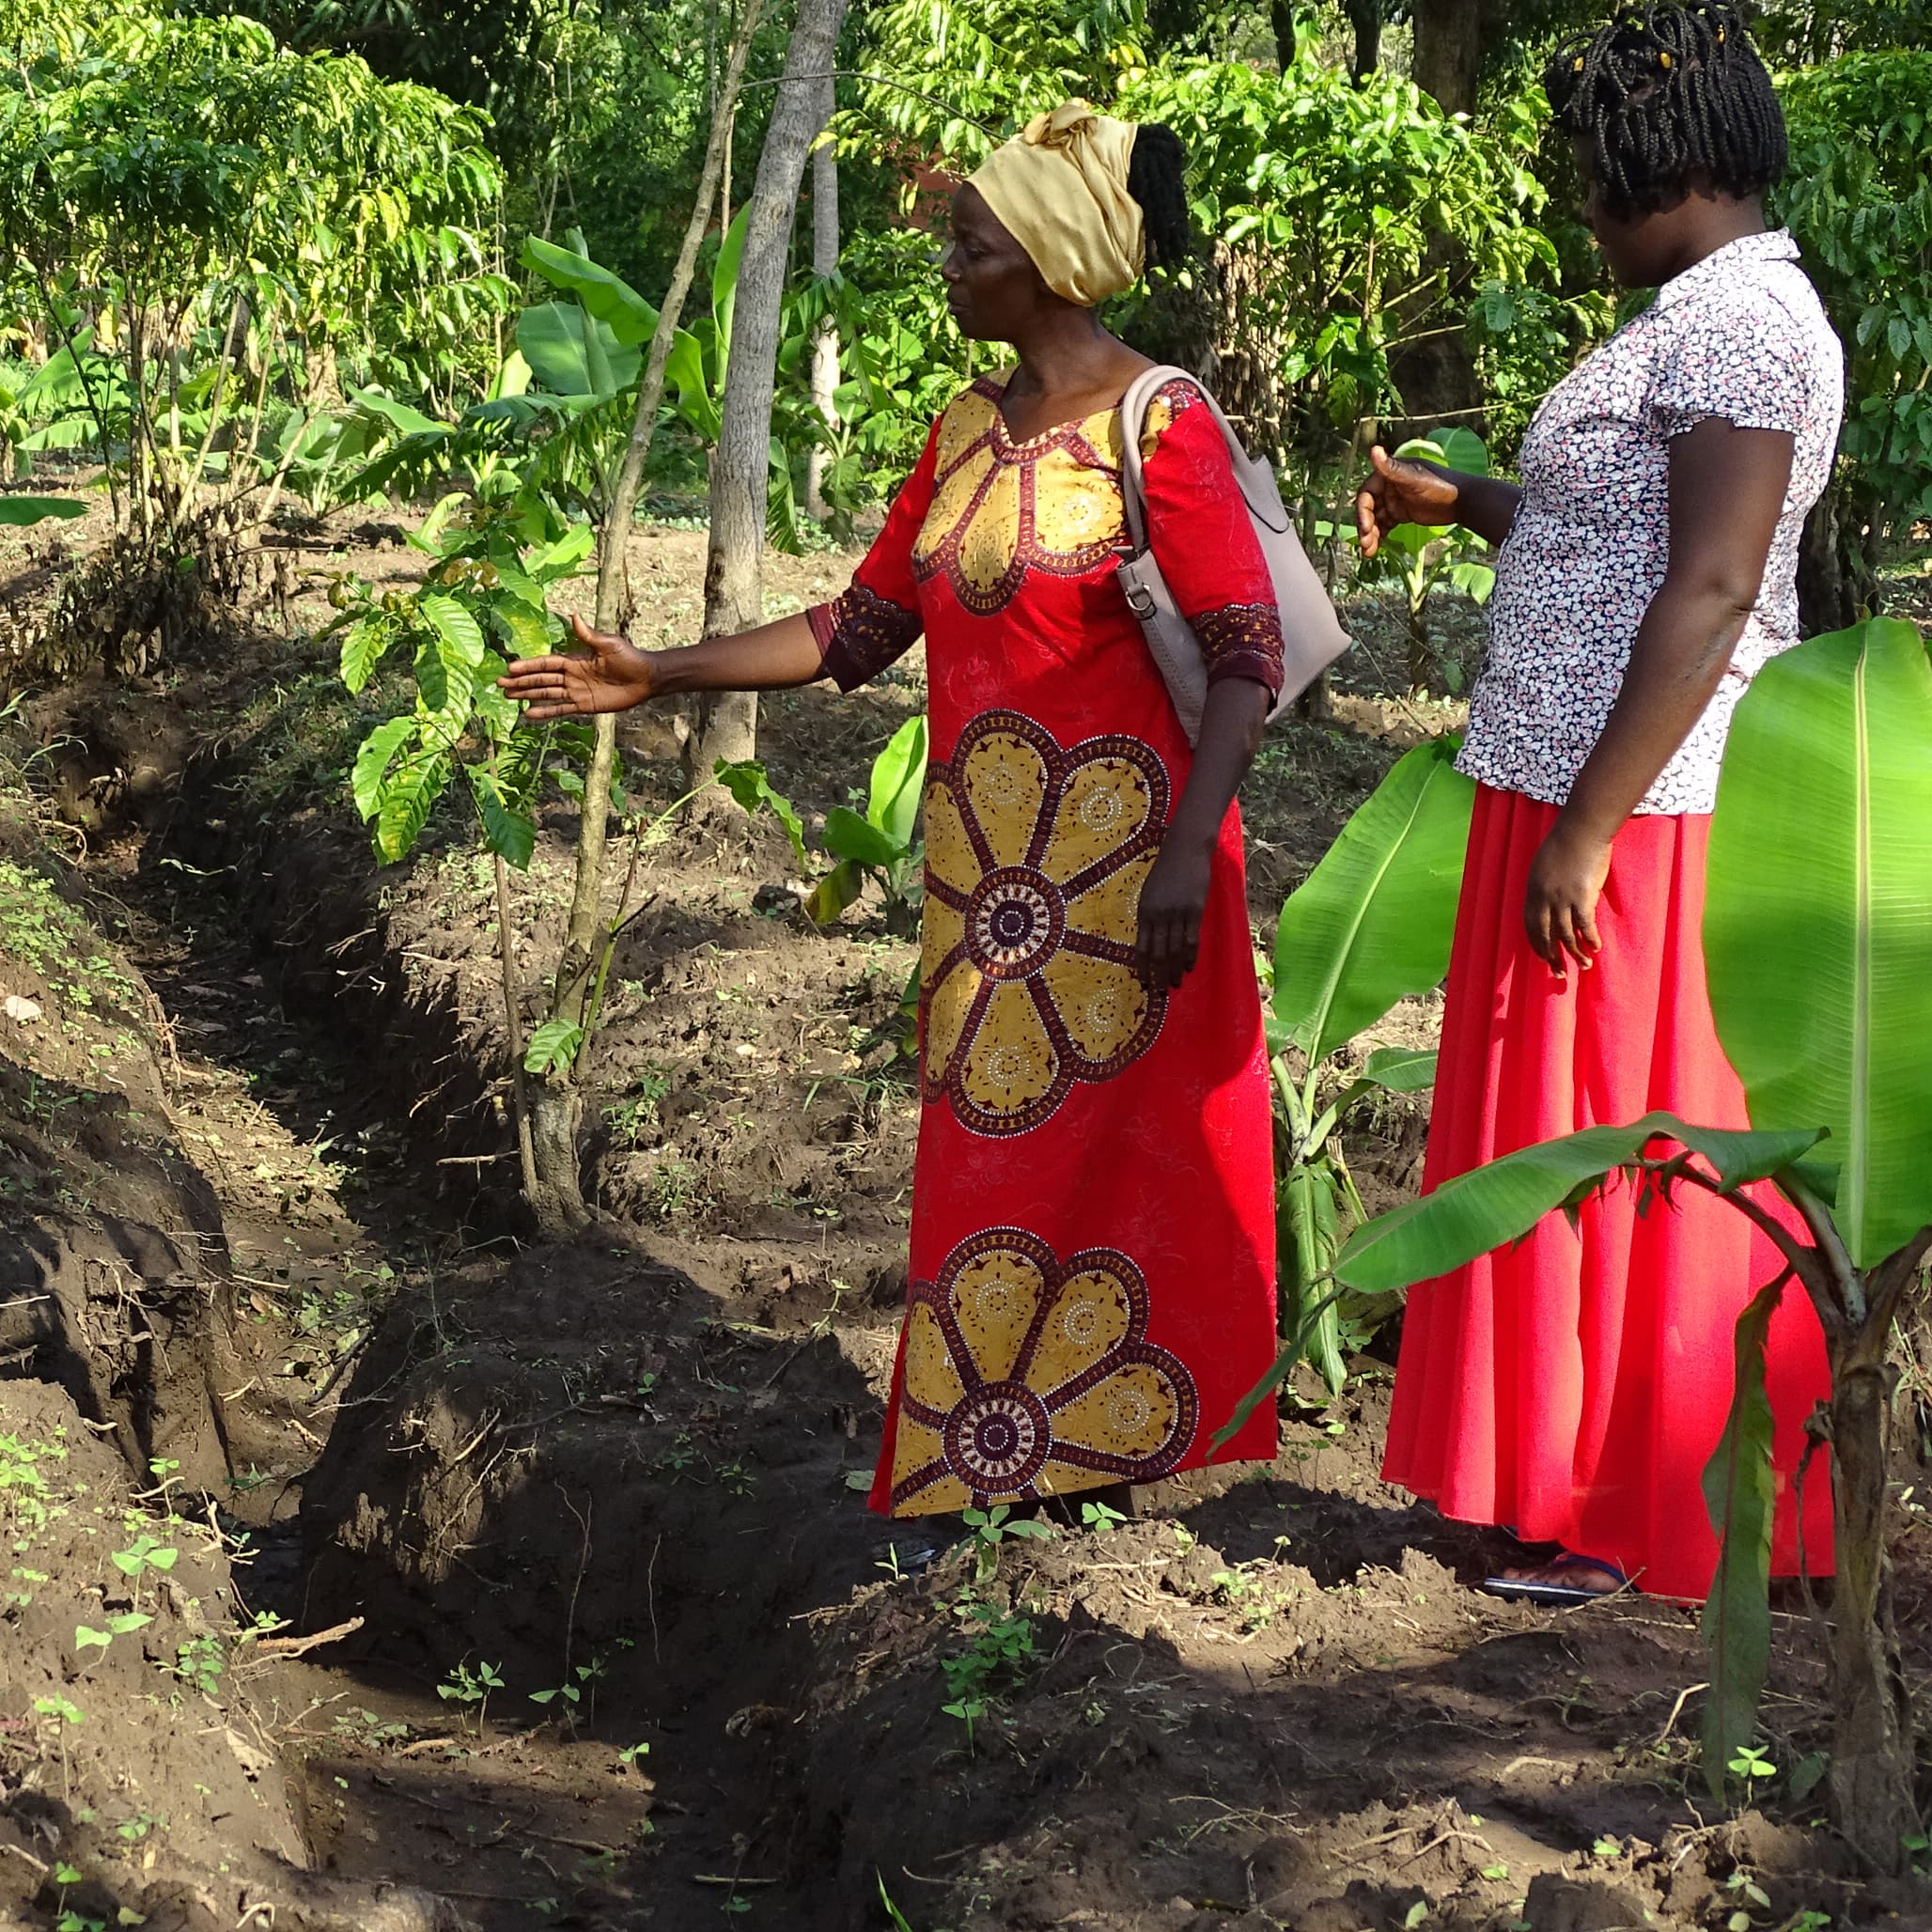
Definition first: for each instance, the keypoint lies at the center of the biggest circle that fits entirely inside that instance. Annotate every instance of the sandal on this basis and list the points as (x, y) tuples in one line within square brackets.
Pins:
[(1546, 1591)]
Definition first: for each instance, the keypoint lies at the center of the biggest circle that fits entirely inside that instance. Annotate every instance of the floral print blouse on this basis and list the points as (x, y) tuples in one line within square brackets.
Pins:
[(1742, 335)]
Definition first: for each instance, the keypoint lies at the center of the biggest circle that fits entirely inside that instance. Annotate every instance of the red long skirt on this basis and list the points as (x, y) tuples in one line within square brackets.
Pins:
[(1574, 1387)]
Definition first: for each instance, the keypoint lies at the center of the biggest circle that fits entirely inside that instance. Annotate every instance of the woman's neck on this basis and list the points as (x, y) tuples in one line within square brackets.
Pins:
[(1712, 223), (1064, 353)]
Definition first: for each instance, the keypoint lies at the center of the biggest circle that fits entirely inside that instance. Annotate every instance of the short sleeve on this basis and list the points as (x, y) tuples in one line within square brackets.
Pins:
[(876, 621), (1201, 537), (1735, 355)]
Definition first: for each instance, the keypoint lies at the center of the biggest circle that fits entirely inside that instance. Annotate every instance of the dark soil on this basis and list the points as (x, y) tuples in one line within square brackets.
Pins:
[(259, 1223)]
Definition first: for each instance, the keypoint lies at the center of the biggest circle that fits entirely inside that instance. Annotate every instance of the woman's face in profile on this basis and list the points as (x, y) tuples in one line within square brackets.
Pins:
[(993, 286)]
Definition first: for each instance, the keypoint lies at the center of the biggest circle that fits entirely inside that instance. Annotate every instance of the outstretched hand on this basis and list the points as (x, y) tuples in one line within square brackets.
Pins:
[(609, 674), (1399, 490)]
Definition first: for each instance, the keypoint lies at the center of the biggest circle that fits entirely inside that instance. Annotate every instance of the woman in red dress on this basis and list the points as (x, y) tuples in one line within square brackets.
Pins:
[(1573, 1388), (1092, 1270)]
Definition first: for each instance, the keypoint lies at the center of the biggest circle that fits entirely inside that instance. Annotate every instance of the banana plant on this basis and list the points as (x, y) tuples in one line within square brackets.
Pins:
[(884, 843), (1818, 953), (590, 348), (1371, 924)]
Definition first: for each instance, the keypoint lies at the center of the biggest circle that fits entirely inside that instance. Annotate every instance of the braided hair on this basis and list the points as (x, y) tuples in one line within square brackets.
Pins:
[(1666, 93), (1156, 179)]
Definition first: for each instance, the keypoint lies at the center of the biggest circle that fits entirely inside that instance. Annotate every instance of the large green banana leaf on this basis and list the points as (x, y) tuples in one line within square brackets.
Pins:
[(1374, 920), (899, 782), (1503, 1202), (607, 296), (572, 353), (1818, 930)]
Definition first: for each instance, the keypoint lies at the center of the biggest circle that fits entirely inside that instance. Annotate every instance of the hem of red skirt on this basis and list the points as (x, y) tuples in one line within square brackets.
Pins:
[(879, 1501), (1785, 1569)]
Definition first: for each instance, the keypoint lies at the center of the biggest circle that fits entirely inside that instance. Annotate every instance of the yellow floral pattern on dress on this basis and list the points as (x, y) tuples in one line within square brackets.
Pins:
[(1035, 858), (1024, 1377), (999, 507)]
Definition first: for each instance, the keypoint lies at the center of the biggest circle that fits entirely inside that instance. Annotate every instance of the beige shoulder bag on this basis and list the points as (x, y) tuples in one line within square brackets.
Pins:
[(1312, 634)]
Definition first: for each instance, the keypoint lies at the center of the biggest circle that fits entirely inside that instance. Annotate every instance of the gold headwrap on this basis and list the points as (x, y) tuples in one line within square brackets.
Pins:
[(1060, 191)]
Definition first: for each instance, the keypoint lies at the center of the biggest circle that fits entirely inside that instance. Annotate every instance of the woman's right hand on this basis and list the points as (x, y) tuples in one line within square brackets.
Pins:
[(609, 674), (1399, 490)]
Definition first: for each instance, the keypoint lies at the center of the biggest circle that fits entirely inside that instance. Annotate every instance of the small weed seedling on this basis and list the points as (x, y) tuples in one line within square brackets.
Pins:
[(1100, 1518), (65, 1717), (144, 1554), (994, 1526), (579, 1692), (472, 1688), (1000, 1648), (1742, 1886), (200, 1661)]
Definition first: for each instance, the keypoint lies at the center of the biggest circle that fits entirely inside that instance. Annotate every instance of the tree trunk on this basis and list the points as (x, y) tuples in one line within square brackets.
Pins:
[(554, 1099), (1365, 18), (825, 345), (1281, 16), (727, 723), (1449, 52), (1836, 578), (1872, 1756), (1437, 377)]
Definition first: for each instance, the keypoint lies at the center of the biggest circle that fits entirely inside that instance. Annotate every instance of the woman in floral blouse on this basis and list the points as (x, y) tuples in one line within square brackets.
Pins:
[(1572, 1388), (1092, 1278)]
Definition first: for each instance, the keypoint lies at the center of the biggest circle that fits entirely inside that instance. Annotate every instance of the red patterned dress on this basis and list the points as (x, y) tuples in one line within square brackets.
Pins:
[(1092, 1272)]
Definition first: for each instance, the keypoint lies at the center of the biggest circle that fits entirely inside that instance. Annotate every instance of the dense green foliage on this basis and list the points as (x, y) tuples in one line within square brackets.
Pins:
[(1860, 200), (204, 233)]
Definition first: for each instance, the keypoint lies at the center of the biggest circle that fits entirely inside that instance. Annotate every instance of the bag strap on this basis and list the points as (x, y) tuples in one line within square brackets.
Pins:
[(1133, 489)]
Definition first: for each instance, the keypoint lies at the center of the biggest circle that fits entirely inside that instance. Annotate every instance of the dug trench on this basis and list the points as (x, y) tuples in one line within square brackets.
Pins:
[(607, 1637)]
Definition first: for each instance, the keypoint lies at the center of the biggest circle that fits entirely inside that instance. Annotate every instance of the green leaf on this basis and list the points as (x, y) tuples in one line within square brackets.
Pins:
[(1463, 449), (1374, 920), (86, 1639), (1817, 926), (163, 1560), (748, 785), (1401, 1069), (407, 802), (16, 512), (834, 893), (724, 286), (372, 762), (364, 645), (520, 628), (561, 558), (849, 837), (899, 782), (1292, 1350), (572, 353), (1740, 1490), (1306, 1240), (458, 636), (685, 373), (1505, 1200), (553, 1047), (509, 833), (128, 1622), (606, 296)]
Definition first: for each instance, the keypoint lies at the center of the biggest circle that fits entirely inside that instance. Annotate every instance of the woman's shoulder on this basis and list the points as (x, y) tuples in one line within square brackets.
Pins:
[(1179, 407), (968, 417)]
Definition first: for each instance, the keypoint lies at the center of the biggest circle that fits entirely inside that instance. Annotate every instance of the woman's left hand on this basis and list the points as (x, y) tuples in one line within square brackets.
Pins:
[(1560, 908), (1173, 901)]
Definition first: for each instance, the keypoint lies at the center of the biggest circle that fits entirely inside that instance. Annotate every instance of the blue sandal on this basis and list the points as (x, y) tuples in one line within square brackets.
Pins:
[(1557, 1594)]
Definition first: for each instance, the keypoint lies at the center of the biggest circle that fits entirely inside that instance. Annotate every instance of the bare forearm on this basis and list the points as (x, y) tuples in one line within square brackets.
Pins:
[(1485, 505), (1680, 655), (1231, 723), (772, 657)]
